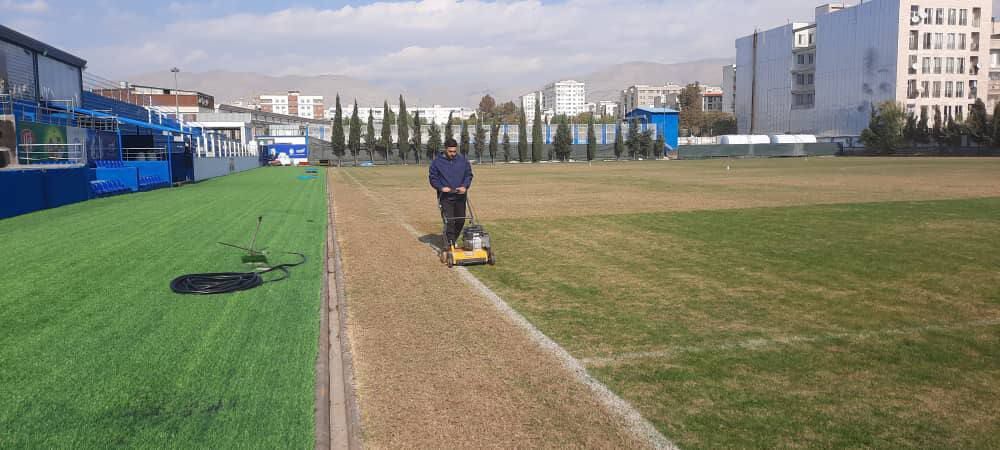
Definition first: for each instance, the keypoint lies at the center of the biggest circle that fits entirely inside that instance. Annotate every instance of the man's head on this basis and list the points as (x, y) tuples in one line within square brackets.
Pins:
[(450, 148)]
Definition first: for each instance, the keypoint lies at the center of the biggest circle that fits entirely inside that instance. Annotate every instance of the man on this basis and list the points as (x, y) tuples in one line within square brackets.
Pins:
[(451, 177)]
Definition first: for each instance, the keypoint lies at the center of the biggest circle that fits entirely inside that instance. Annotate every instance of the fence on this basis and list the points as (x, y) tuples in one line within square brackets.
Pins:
[(50, 154), (144, 154)]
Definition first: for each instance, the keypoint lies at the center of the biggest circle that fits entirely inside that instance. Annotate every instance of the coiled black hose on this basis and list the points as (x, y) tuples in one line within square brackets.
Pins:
[(225, 282)]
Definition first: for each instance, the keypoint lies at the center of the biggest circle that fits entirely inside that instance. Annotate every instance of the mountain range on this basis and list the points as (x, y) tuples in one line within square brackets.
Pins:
[(603, 84)]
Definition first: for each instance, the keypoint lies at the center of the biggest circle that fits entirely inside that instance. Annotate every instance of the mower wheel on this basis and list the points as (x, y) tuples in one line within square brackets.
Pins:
[(451, 260), (491, 259)]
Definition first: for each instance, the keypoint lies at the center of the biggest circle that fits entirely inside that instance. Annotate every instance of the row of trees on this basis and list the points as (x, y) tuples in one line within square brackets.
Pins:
[(638, 144), (891, 129)]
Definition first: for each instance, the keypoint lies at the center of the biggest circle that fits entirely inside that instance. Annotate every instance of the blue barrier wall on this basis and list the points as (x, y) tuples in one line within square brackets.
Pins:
[(32, 190), (151, 168)]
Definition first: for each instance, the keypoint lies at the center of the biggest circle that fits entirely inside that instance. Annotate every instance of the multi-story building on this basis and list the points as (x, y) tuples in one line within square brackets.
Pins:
[(729, 88), (437, 113), (293, 104), (993, 96), (607, 108), (824, 77), (649, 96), (567, 97), (711, 98), (167, 101), (528, 102)]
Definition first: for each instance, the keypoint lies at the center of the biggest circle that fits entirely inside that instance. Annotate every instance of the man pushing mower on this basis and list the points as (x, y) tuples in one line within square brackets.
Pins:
[(451, 177)]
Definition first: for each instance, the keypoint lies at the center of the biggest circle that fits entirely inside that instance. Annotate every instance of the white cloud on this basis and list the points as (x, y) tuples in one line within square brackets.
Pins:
[(448, 41), (34, 6)]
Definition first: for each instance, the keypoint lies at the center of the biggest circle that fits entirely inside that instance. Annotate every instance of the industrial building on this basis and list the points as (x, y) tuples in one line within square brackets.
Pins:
[(824, 77)]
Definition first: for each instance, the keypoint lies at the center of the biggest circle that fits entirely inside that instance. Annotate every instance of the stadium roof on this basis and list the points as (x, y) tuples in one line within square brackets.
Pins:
[(30, 43)]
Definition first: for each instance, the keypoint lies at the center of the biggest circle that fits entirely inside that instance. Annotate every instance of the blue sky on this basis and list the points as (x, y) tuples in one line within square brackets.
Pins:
[(403, 43)]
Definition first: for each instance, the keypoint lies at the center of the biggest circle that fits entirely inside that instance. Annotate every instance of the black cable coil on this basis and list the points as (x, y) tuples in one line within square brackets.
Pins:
[(225, 282)]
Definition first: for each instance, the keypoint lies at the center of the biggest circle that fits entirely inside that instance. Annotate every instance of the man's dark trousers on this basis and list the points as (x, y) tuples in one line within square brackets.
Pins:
[(453, 206)]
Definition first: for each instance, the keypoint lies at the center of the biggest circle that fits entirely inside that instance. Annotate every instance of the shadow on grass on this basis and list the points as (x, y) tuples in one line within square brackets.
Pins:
[(434, 240)]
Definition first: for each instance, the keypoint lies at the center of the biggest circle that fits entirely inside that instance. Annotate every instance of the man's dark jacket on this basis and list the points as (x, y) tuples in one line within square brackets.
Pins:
[(452, 173)]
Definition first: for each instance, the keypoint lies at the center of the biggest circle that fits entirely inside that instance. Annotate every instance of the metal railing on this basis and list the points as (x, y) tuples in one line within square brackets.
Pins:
[(144, 154), (38, 154)]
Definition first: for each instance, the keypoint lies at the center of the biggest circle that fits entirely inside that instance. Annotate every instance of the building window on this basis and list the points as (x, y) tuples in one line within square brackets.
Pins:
[(912, 68), (939, 16), (994, 59), (963, 17), (927, 41), (926, 66), (914, 39), (812, 38), (947, 112), (937, 66), (949, 89), (811, 58), (959, 89), (951, 41), (938, 41), (977, 14), (973, 89), (937, 89), (974, 45), (928, 14), (949, 65), (801, 59), (925, 89), (911, 89), (974, 65), (961, 65), (961, 41), (810, 79), (959, 113), (952, 16)]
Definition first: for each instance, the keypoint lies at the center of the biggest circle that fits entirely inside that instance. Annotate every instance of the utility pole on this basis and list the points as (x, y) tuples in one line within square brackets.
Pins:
[(177, 101)]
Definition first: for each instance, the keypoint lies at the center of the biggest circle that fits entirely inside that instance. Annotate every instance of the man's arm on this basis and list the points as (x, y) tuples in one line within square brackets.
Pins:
[(467, 179), (435, 177)]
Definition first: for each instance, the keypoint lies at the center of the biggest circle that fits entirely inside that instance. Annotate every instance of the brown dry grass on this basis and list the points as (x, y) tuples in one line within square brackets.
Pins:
[(436, 365), (551, 190)]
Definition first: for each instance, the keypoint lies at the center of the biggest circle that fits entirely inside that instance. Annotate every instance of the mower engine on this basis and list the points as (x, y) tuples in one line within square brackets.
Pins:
[(475, 238)]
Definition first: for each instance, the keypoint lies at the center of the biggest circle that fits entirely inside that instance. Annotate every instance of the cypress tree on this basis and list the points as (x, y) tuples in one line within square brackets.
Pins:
[(660, 146), (494, 140), (480, 144), (448, 134), (433, 142), (403, 130), (370, 137), (417, 137), (632, 141), (337, 134), (536, 135), (995, 129), (354, 138), (591, 139), (619, 147), (563, 141), (522, 138), (506, 145), (463, 143), (386, 131)]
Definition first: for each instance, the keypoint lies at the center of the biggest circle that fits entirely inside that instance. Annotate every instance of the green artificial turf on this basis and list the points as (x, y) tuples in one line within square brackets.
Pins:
[(864, 325), (97, 352)]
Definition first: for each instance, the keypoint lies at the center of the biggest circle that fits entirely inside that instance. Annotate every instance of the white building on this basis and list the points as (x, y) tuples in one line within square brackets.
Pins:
[(528, 102), (641, 95), (607, 108), (729, 88), (565, 97), (711, 98), (293, 104), (437, 113), (824, 77)]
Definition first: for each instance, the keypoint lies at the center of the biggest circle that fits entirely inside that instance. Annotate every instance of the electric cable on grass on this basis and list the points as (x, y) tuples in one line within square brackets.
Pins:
[(226, 282)]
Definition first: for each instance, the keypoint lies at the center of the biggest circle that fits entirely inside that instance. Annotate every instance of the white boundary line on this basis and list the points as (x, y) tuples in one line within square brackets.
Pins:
[(638, 425)]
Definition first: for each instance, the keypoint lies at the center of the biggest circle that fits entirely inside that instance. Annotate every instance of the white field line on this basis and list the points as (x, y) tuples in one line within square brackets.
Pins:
[(766, 343), (637, 425)]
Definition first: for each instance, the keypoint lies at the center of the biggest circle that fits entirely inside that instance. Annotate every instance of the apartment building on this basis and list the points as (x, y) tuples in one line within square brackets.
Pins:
[(293, 104), (729, 88), (825, 76), (640, 95), (567, 97)]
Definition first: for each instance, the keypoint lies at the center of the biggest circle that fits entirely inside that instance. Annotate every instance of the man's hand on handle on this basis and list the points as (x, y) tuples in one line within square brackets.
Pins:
[(446, 189), (461, 190)]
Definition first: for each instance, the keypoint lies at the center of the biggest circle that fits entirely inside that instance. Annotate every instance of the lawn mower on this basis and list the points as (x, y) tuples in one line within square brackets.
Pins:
[(476, 248)]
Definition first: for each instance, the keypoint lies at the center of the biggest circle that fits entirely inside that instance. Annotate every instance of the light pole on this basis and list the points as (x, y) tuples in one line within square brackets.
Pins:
[(177, 101)]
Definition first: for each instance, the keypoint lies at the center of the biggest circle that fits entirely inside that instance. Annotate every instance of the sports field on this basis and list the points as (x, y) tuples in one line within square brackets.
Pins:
[(817, 302), (97, 352)]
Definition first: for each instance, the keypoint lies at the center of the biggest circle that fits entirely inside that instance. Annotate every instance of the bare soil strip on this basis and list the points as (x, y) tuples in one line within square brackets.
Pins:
[(760, 344), (435, 364)]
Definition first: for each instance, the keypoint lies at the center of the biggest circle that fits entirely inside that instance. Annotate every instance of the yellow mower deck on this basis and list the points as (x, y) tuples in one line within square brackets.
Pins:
[(461, 257)]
